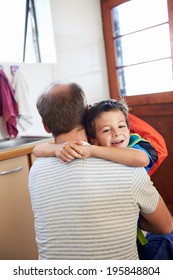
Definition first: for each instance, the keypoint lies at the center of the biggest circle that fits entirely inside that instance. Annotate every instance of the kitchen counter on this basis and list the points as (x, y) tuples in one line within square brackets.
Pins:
[(22, 149)]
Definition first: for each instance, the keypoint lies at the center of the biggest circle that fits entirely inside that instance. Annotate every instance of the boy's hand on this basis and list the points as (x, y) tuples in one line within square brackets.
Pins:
[(71, 150), (68, 151)]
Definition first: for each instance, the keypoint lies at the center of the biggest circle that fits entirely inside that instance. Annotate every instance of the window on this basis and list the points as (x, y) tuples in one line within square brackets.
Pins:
[(141, 46), (12, 27)]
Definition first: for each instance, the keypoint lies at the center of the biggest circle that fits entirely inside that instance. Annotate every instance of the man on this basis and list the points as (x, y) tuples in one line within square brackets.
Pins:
[(88, 209)]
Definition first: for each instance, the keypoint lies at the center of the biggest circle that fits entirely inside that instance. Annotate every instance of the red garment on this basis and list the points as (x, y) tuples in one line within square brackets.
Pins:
[(8, 105), (147, 132)]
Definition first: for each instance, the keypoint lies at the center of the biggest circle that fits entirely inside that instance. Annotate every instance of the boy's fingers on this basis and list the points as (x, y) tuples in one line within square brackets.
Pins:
[(69, 154), (64, 159), (73, 149)]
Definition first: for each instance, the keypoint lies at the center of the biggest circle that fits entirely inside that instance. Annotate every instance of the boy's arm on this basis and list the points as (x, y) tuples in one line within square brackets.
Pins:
[(44, 150), (66, 151), (71, 150), (127, 156)]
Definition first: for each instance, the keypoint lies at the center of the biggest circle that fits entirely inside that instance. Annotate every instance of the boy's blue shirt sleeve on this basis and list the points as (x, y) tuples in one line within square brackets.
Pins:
[(151, 163), (136, 141)]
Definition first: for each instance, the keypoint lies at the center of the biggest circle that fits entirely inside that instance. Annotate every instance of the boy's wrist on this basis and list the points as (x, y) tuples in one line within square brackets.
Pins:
[(57, 150), (92, 151)]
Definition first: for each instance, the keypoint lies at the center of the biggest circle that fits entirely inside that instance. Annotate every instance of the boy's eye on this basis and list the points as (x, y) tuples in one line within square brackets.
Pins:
[(122, 126), (106, 130)]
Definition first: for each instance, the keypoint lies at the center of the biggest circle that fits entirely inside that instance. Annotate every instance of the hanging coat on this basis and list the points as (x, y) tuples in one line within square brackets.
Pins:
[(8, 105), (21, 90)]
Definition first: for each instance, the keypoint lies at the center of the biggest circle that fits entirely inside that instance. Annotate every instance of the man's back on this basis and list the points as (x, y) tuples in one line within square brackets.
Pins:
[(88, 209)]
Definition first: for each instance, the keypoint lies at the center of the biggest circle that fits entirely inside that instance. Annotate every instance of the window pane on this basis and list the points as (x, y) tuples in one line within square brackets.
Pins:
[(144, 46), (146, 78), (12, 17), (138, 14), (12, 24), (46, 32)]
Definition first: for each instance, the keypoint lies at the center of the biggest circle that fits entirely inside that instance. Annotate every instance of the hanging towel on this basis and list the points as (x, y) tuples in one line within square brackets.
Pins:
[(21, 90), (8, 105)]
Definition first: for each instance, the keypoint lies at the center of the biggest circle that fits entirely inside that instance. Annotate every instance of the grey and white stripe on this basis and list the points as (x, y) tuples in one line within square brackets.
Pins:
[(88, 209)]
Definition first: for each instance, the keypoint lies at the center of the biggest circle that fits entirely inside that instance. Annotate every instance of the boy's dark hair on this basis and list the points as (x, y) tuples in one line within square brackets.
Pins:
[(62, 107), (103, 106)]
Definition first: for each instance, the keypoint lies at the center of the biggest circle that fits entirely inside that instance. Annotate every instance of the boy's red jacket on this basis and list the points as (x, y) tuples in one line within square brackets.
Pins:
[(147, 132)]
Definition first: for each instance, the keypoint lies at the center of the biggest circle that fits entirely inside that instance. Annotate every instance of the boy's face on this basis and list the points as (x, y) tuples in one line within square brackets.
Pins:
[(111, 130)]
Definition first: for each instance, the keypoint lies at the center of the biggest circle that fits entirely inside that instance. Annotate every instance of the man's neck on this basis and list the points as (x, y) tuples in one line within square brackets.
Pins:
[(76, 134)]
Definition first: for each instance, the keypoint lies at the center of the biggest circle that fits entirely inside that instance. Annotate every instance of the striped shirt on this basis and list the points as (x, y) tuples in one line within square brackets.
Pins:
[(88, 209)]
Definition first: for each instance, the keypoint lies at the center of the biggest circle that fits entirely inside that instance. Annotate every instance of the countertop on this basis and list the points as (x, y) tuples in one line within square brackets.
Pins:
[(22, 149)]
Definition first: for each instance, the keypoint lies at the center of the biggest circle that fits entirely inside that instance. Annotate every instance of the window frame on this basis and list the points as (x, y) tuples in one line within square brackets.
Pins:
[(149, 98)]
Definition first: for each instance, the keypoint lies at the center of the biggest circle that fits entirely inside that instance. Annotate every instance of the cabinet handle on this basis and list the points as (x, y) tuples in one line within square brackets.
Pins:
[(11, 170)]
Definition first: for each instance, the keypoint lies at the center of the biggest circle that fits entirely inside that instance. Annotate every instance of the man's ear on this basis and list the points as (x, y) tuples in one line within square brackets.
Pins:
[(94, 141), (45, 127)]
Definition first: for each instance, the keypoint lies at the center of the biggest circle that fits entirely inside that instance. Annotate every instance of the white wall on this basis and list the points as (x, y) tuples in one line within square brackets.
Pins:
[(80, 45), (37, 76), (80, 55)]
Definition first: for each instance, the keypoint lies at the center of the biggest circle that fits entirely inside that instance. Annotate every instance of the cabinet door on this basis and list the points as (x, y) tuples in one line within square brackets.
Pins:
[(17, 236)]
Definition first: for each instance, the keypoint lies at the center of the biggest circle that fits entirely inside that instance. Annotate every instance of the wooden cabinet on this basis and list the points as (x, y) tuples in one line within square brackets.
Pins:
[(17, 235)]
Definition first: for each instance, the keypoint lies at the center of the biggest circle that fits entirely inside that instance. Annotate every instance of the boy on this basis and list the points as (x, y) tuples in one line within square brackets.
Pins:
[(108, 130)]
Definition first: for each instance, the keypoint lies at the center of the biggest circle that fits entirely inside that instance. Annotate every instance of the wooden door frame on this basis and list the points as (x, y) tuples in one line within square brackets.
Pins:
[(161, 97)]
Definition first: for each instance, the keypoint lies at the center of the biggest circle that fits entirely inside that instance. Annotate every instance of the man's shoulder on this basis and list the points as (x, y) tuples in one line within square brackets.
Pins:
[(103, 163), (117, 168), (52, 163), (44, 162)]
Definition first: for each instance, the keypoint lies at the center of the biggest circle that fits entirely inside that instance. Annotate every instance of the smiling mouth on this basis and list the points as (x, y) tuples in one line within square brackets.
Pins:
[(117, 142)]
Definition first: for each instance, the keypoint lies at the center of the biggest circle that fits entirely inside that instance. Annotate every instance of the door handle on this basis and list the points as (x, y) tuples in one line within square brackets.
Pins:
[(5, 172)]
